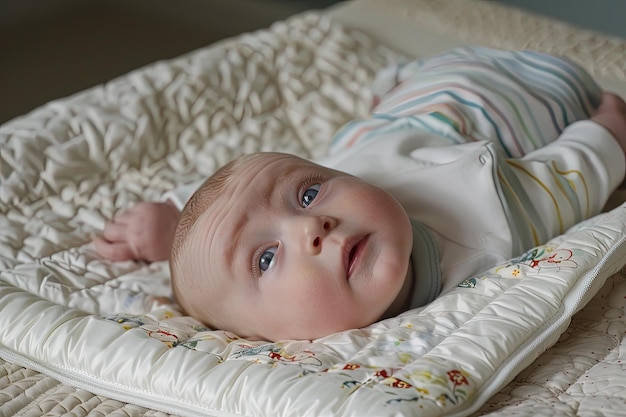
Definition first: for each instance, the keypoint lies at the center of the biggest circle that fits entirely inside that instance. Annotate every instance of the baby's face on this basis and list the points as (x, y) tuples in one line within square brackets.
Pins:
[(295, 250)]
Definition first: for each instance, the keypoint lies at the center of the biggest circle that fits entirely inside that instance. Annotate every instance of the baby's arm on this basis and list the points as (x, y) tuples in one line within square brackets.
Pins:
[(145, 232), (572, 178)]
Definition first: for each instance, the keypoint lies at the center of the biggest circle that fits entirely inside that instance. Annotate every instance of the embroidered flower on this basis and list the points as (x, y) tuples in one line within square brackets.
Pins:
[(457, 378), (396, 383)]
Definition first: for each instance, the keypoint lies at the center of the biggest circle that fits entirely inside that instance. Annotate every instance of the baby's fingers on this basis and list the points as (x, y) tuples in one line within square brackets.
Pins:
[(114, 251), (125, 216), (612, 103), (115, 232)]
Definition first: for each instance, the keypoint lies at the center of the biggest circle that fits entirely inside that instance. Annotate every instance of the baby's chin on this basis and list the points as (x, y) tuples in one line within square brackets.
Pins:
[(399, 282)]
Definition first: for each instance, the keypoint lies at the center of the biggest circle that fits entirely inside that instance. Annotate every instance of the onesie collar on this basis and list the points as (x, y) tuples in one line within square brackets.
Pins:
[(426, 270)]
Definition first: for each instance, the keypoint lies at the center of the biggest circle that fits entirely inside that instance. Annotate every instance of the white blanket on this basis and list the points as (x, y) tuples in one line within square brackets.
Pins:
[(112, 329)]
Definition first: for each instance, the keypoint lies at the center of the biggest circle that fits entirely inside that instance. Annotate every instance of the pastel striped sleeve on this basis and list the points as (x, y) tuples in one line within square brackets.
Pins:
[(563, 183), (519, 100)]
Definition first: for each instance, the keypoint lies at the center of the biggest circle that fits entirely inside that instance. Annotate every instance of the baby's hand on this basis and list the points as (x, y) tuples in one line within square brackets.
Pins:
[(612, 115), (145, 232)]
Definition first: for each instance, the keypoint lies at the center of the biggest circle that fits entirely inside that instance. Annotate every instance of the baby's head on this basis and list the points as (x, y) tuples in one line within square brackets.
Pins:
[(273, 247)]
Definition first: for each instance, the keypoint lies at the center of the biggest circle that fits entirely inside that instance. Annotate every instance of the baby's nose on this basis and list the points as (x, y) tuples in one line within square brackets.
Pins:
[(314, 230)]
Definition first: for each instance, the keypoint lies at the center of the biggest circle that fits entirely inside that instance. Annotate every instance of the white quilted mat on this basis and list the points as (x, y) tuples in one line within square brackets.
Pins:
[(111, 328)]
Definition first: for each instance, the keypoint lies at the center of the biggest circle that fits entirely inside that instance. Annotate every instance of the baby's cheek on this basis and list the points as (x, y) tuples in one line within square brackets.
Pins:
[(192, 292), (390, 272), (311, 294)]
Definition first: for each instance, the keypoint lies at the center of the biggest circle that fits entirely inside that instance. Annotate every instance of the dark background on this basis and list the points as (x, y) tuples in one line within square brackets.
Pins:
[(53, 48)]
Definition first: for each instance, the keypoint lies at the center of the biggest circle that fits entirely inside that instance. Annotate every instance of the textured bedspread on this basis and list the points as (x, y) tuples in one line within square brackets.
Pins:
[(112, 330)]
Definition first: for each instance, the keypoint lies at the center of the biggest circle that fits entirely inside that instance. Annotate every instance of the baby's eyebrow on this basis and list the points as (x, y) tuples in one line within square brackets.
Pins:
[(230, 250), (278, 187)]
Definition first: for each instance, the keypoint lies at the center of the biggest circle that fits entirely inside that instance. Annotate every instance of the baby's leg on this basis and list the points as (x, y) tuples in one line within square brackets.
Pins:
[(520, 100)]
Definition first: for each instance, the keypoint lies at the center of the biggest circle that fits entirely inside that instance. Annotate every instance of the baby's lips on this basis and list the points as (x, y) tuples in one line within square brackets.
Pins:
[(353, 249)]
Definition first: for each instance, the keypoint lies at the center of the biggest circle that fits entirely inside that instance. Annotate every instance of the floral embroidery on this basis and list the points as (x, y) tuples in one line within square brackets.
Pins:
[(538, 259), (445, 388), (171, 335), (276, 353), (457, 377), (468, 283)]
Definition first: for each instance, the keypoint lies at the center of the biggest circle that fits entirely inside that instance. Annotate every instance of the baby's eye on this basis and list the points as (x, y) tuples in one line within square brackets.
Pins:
[(266, 259), (309, 194)]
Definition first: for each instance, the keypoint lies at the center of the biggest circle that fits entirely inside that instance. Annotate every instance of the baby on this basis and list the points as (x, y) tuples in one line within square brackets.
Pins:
[(468, 159)]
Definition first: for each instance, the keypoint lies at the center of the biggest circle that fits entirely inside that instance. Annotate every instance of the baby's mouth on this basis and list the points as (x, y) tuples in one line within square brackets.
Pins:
[(355, 253)]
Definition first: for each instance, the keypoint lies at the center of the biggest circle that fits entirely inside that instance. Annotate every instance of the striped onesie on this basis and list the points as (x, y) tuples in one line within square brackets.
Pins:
[(520, 100), (488, 150)]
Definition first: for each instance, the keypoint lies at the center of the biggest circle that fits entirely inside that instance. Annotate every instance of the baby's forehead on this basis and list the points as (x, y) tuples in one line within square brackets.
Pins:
[(265, 167), (221, 205), (261, 169)]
